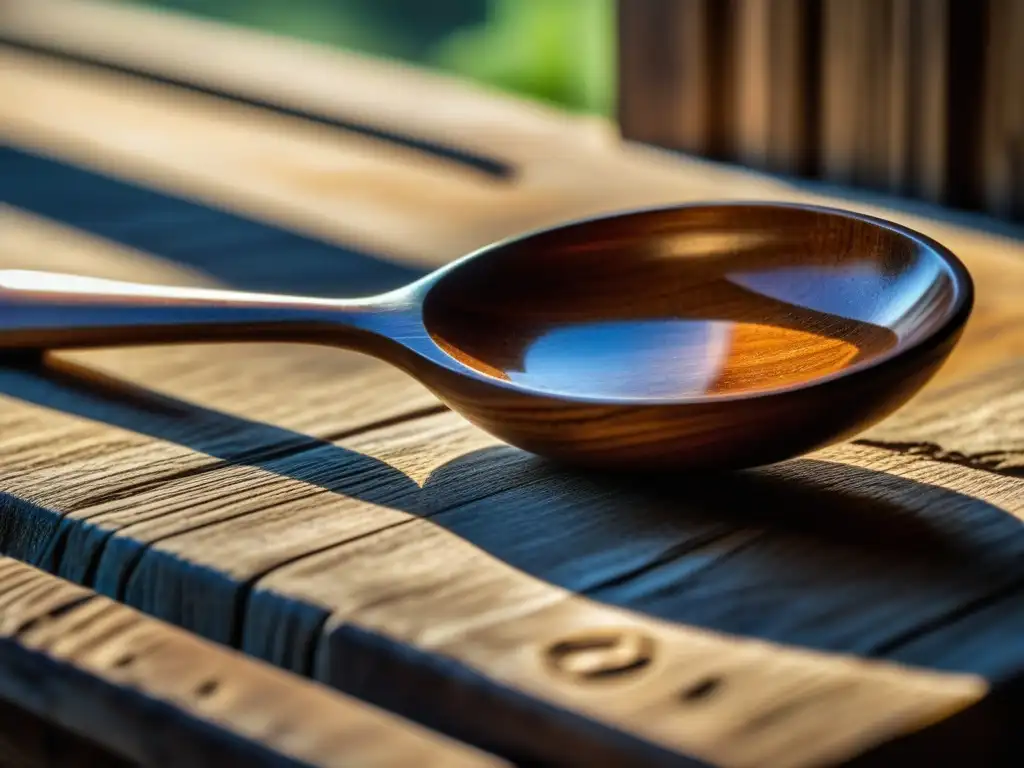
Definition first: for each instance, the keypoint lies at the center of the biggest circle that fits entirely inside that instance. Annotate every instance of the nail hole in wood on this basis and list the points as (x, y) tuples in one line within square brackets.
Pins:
[(124, 661), (702, 689), (207, 689), (600, 654)]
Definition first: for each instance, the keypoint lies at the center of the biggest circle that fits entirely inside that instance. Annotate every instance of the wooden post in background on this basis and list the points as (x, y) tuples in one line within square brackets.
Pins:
[(677, 53), (777, 63), (1003, 140), (920, 98)]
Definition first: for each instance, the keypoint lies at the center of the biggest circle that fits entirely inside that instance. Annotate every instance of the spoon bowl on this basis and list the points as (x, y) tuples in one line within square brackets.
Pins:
[(715, 336)]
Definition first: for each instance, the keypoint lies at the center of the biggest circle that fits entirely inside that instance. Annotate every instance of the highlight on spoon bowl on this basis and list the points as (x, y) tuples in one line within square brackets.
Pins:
[(719, 335), (711, 336)]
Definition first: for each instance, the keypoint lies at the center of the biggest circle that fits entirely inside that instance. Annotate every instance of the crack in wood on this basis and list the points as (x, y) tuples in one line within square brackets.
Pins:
[(990, 461), (893, 644), (262, 455), (51, 615)]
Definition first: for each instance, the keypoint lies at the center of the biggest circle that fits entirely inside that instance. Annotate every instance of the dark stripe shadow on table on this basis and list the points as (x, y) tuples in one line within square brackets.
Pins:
[(238, 251)]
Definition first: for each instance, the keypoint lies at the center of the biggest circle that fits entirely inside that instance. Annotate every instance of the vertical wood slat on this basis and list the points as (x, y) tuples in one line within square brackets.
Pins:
[(914, 97), (672, 77), (841, 89), (901, 94), (884, 102), (926, 98), (775, 99), (1003, 110)]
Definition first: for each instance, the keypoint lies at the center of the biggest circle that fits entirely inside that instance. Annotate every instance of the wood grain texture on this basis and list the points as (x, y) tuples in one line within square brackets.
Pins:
[(158, 696), (306, 187), (337, 471), (469, 571), (928, 46), (188, 395), (987, 431), (1003, 160), (467, 124), (700, 337), (843, 88), (558, 178), (901, 95), (419, 564), (673, 74), (478, 598), (775, 115)]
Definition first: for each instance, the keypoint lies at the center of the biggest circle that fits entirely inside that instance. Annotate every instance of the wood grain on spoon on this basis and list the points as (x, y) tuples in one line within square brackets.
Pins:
[(614, 356)]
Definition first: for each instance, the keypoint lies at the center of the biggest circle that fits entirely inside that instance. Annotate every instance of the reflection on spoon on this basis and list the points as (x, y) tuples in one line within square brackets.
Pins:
[(714, 336), (858, 290), (676, 358)]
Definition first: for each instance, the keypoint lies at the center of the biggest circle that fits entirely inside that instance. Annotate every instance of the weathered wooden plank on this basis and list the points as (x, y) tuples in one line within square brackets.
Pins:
[(439, 599), (673, 74), (158, 696), (309, 522), (391, 567), (855, 104), (433, 561), (978, 423), (709, 569), (842, 84), (325, 183)]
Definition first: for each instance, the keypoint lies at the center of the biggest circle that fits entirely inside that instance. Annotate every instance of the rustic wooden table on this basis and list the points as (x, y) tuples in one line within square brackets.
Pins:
[(211, 554)]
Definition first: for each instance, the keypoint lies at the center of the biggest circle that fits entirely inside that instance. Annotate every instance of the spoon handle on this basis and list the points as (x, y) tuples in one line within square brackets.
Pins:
[(46, 310)]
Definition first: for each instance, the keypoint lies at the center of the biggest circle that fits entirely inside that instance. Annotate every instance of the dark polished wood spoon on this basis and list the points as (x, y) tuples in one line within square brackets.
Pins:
[(704, 336)]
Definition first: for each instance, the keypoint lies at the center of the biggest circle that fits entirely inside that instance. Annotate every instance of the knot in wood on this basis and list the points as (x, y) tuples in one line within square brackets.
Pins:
[(601, 653)]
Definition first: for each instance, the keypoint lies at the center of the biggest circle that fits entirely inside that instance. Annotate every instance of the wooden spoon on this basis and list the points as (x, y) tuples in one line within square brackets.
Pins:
[(705, 336)]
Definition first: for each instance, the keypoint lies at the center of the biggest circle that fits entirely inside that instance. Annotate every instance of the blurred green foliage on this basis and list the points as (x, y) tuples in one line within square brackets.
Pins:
[(557, 50), (560, 51)]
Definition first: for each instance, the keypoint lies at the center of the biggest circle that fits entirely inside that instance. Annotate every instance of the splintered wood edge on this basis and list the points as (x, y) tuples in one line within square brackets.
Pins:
[(141, 688)]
